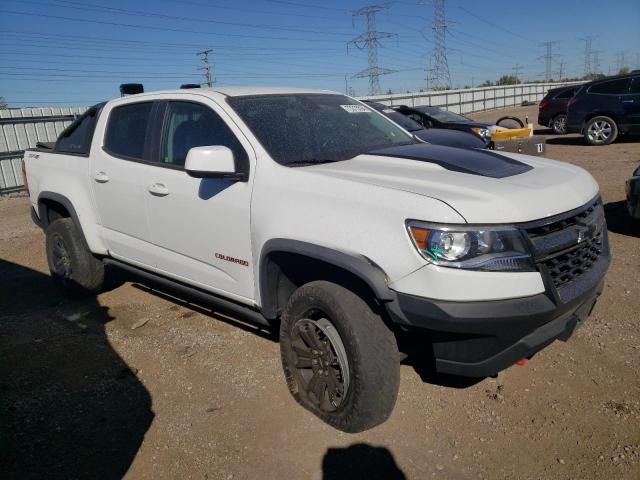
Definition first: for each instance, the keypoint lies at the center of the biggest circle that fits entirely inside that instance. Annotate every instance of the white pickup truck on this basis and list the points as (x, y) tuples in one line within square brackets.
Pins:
[(309, 211)]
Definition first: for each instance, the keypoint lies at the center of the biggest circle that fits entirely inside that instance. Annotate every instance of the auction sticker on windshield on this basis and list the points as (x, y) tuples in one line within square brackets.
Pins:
[(356, 108)]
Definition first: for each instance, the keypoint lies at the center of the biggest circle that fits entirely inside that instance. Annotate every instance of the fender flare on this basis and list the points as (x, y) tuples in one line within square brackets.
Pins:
[(359, 265), (66, 203)]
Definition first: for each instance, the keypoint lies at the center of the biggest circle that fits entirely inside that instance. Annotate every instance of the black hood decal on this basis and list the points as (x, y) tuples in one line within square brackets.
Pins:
[(474, 162)]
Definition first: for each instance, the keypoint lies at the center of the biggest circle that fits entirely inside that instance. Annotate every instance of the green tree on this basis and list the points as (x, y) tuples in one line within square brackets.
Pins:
[(508, 80), (593, 76), (623, 71), (3, 104)]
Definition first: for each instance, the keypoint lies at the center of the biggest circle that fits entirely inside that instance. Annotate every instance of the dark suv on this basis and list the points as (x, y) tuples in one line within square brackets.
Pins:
[(552, 111), (603, 109)]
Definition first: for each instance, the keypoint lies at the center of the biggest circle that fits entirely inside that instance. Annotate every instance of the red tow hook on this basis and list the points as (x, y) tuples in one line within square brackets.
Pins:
[(522, 362)]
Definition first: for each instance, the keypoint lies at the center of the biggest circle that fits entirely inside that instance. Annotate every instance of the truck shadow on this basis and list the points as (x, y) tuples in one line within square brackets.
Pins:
[(70, 407), (360, 461), (619, 221)]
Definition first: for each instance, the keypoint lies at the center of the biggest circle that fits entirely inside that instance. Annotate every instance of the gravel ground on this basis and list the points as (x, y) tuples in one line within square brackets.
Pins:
[(139, 384)]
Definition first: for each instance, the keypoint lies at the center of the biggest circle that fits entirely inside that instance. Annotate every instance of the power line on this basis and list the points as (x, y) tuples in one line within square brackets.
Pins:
[(166, 29), (74, 5), (495, 25), (369, 40), (204, 55)]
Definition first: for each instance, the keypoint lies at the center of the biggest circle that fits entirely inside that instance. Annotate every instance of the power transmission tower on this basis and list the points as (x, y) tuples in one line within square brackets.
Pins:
[(621, 61), (595, 63), (441, 76), (370, 40), (588, 54), (548, 58), (517, 68), (207, 67), (561, 66)]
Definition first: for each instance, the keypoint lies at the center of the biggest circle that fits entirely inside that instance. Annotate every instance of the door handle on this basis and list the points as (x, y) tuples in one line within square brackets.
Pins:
[(101, 177), (627, 101), (159, 190)]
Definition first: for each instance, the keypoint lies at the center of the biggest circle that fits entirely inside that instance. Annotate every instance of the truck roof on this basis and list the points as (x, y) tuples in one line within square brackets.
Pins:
[(233, 91)]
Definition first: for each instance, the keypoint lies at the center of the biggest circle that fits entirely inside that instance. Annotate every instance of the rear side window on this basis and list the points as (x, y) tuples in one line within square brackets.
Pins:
[(613, 87), (77, 137), (126, 130)]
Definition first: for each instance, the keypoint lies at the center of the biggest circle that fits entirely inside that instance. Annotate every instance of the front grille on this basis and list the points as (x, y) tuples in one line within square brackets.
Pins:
[(566, 267), (567, 247), (564, 223)]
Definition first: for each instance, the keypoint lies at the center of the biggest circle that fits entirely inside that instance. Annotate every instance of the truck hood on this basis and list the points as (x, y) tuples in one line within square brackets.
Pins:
[(482, 186)]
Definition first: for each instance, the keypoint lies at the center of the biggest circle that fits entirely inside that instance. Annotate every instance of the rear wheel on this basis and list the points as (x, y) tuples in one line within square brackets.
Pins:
[(600, 131), (73, 268), (559, 124), (340, 360)]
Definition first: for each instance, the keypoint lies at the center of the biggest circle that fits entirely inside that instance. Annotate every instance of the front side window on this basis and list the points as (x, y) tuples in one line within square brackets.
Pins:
[(613, 87), (635, 86), (315, 128), (77, 137), (127, 129), (189, 125)]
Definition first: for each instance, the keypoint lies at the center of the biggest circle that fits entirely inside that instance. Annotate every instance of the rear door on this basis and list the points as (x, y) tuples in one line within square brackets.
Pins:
[(200, 228), (119, 174), (631, 104)]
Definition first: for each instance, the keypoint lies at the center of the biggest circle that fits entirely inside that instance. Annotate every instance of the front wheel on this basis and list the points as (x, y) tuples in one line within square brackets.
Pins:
[(559, 124), (600, 131), (340, 360)]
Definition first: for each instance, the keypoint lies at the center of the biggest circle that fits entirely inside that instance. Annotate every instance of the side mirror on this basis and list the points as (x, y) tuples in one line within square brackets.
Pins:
[(214, 161)]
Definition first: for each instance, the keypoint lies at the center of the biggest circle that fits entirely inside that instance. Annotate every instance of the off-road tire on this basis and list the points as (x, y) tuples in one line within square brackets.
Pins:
[(371, 352), (608, 124), (74, 270)]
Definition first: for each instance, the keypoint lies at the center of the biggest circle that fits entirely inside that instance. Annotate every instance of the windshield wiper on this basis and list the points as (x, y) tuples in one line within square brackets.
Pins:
[(309, 162)]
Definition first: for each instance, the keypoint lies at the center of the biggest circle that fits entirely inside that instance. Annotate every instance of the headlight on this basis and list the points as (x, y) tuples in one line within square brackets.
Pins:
[(482, 132), (474, 248)]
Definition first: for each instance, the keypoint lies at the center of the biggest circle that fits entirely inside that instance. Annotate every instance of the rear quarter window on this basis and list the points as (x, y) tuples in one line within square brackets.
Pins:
[(76, 138), (567, 93), (127, 130)]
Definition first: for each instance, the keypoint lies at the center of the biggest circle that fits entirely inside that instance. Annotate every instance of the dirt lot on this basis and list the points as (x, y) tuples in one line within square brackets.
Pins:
[(140, 384)]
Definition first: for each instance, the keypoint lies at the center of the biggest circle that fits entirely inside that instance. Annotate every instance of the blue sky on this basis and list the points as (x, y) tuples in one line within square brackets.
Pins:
[(77, 52)]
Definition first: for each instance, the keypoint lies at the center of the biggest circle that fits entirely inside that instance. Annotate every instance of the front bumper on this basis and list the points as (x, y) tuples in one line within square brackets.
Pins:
[(544, 119), (480, 338)]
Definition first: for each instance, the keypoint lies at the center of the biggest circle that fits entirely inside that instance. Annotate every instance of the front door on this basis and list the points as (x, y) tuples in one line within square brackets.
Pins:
[(200, 228)]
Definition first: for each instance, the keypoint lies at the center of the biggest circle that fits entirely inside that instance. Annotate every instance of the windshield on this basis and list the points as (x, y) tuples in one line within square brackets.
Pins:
[(314, 128), (444, 116), (402, 120)]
